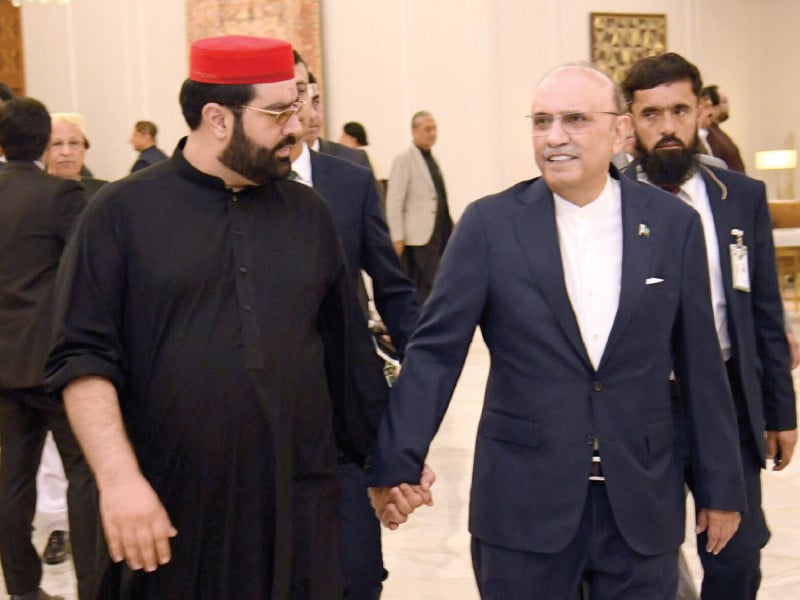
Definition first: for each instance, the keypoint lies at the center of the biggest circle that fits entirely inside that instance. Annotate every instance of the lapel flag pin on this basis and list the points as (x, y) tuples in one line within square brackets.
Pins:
[(644, 230)]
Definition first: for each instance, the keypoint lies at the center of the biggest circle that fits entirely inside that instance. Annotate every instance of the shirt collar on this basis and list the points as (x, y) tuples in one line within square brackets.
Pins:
[(606, 202), (315, 145), (302, 166)]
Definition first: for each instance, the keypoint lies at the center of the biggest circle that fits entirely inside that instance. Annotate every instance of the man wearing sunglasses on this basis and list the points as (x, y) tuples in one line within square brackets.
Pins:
[(212, 353)]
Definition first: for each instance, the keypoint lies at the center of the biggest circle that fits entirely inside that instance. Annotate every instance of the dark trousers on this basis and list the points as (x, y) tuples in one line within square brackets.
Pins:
[(25, 417), (735, 573), (362, 559), (597, 553), (421, 264)]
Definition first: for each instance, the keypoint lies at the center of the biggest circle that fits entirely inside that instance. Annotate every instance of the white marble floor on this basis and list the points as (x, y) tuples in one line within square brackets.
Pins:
[(429, 557)]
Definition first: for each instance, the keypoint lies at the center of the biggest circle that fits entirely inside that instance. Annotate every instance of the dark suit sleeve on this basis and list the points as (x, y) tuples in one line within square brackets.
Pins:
[(768, 317), (70, 202), (355, 378), (394, 293), (435, 356), (711, 419)]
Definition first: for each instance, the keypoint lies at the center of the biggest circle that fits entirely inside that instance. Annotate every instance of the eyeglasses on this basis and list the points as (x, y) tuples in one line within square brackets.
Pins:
[(280, 116), (655, 116), (571, 122)]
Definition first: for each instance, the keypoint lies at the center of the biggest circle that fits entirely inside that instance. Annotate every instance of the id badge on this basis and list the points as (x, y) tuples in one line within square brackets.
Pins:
[(740, 271)]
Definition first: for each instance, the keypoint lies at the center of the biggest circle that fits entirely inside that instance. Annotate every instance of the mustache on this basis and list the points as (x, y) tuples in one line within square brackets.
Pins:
[(667, 140), (289, 140)]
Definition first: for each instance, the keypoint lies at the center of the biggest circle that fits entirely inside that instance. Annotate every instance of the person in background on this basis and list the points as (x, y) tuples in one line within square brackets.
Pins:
[(719, 142), (143, 140), (38, 213), (66, 151), (416, 206), (6, 93), (351, 195), (355, 136)]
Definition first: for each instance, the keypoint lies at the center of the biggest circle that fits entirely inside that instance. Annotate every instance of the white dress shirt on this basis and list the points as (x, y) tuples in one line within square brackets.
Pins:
[(302, 166), (590, 240), (693, 192)]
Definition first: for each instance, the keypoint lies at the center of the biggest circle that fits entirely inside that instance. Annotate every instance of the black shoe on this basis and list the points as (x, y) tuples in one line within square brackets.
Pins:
[(39, 594), (56, 550)]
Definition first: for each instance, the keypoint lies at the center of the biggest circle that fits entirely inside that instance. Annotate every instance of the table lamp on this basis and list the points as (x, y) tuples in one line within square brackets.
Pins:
[(780, 160)]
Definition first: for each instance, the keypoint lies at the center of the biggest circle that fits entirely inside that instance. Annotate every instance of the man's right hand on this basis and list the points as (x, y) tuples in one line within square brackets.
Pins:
[(399, 247), (721, 526), (392, 505), (136, 524)]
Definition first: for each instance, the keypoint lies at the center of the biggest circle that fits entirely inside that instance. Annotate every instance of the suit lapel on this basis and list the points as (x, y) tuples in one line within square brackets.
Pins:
[(320, 177), (724, 221), (636, 251), (536, 231), (422, 167)]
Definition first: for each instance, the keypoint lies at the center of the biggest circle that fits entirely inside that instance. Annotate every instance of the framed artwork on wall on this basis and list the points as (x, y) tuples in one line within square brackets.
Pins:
[(297, 21), (620, 39)]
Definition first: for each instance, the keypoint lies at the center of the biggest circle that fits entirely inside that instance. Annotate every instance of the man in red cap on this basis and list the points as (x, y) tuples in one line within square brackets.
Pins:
[(211, 351)]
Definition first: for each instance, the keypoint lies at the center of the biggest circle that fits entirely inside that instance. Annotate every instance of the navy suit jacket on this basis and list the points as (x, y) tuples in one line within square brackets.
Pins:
[(760, 352), (352, 196), (354, 155), (544, 401)]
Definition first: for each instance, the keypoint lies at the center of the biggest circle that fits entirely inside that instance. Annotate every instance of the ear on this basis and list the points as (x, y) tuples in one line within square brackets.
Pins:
[(218, 119), (623, 128)]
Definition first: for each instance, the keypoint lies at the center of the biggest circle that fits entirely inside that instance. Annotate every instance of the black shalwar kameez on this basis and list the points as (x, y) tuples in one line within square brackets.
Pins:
[(228, 325)]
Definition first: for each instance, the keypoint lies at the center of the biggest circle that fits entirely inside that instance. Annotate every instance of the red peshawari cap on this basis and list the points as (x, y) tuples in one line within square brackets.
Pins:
[(240, 59)]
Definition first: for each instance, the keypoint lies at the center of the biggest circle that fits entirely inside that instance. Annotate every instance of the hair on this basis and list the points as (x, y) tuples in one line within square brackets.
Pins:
[(24, 128), (712, 93), (298, 60), (418, 115), (653, 71), (146, 128), (357, 131), (6, 93), (195, 95), (76, 120), (312, 79)]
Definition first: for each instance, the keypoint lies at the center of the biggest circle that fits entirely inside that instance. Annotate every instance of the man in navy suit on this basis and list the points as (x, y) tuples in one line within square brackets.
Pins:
[(351, 194), (589, 289), (663, 93)]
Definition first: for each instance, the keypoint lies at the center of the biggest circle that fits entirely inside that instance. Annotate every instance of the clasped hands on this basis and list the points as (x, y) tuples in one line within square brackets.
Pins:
[(393, 504)]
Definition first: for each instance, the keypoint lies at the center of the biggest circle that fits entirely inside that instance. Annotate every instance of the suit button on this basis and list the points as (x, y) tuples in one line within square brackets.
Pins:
[(590, 439), (597, 387)]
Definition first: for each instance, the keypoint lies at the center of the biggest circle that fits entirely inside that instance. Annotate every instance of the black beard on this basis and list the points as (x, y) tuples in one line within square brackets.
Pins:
[(667, 169), (259, 165)]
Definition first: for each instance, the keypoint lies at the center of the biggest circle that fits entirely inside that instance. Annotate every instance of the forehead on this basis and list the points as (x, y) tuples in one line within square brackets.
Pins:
[(573, 89), (300, 72), (664, 95), (424, 122), (279, 92), (65, 129)]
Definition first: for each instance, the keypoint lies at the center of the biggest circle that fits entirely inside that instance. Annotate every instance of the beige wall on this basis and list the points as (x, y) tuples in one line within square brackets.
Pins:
[(114, 61), (473, 63)]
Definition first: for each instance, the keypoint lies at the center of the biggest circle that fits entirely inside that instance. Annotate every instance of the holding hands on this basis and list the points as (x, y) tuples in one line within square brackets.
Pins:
[(393, 504)]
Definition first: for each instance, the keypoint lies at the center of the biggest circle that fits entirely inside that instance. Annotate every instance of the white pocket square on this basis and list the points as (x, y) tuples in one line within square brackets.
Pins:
[(653, 280)]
